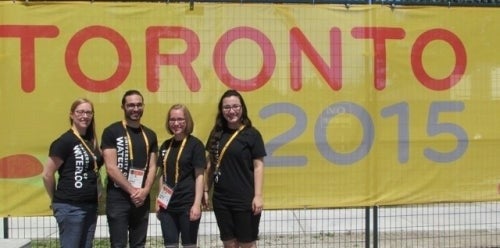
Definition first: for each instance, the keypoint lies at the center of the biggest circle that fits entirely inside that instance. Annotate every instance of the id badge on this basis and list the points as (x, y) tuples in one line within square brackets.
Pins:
[(164, 196), (135, 177)]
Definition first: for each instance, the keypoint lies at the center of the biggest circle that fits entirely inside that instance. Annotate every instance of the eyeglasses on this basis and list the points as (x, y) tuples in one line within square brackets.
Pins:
[(235, 107), (83, 113), (133, 106), (178, 120)]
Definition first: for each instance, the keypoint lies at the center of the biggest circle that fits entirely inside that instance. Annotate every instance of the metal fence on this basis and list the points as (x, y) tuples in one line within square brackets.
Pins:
[(460, 225), (474, 3)]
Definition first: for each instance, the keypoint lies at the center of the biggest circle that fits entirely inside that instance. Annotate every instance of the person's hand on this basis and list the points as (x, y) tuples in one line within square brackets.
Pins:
[(205, 201), (195, 213), (257, 205), (138, 197), (157, 209)]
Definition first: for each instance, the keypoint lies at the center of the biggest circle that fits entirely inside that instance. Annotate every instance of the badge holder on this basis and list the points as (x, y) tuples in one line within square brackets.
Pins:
[(164, 196), (136, 177)]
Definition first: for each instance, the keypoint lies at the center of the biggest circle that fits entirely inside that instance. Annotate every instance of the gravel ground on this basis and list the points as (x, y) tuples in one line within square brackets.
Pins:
[(424, 239)]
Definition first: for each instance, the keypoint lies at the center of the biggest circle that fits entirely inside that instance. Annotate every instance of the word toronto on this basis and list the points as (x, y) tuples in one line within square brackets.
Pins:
[(299, 46)]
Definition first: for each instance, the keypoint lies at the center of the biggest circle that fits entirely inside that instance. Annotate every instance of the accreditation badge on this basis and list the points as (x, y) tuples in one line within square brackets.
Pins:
[(136, 177), (164, 196)]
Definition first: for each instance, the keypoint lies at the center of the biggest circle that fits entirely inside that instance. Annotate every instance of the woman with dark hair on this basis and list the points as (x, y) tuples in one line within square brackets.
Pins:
[(182, 163), (75, 155), (236, 171)]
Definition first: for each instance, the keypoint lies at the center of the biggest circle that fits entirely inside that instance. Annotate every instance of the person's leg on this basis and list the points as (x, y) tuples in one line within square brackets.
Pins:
[(70, 220), (70, 224), (225, 223), (138, 229), (246, 226), (189, 230), (231, 243), (169, 228), (249, 245), (117, 212), (90, 221)]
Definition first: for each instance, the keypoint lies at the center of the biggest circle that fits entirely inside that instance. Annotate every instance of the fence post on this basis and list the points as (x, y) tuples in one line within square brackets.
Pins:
[(375, 226), (5, 228), (367, 227)]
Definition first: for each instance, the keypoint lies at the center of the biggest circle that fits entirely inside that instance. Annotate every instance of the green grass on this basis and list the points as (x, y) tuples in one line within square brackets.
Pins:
[(98, 243)]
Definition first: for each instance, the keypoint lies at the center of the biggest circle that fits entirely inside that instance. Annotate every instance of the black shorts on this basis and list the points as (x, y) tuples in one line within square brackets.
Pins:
[(241, 225)]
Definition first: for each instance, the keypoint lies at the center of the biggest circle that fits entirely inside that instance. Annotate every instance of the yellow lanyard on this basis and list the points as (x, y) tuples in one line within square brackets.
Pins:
[(130, 151), (176, 161), (88, 148), (226, 145)]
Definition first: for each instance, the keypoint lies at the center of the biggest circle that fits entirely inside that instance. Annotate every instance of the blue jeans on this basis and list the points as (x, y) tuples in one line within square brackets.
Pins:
[(76, 222), (173, 223)]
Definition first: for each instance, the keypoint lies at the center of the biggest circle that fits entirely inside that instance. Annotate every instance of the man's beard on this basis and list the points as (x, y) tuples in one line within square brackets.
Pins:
[(134, 117)]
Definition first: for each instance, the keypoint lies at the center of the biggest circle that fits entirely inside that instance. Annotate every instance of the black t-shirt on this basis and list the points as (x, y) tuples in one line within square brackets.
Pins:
[(191, 158), (116, 137), (235, 186), (77, 176)]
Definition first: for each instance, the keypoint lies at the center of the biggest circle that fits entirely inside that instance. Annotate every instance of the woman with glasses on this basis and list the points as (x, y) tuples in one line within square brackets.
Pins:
[(75, 155), (236, 171), (182, 163)]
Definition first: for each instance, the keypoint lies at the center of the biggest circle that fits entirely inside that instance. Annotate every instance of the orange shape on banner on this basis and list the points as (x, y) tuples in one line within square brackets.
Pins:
[(20, 166)]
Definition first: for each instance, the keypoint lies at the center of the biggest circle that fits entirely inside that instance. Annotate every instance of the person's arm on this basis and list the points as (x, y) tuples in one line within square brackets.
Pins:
[(207, 185), (160, 186), (151, 172), (199, 192), (258, 202), (110, 159), (48, 175), (100, 186)]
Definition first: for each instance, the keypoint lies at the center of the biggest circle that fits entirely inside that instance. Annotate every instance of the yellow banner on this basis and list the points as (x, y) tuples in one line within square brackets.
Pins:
[(358, 106)]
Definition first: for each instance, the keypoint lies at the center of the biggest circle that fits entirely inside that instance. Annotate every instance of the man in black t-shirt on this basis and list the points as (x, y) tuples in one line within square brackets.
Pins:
[(130, 153)]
